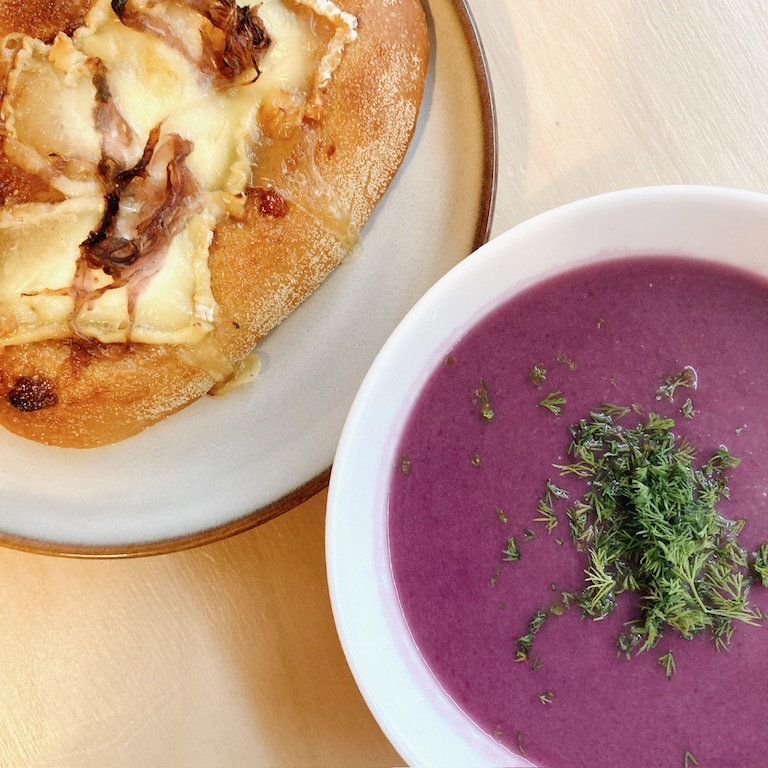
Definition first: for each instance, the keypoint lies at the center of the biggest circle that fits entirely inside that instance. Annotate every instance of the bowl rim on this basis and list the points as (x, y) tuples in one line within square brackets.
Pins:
[(355, 495)]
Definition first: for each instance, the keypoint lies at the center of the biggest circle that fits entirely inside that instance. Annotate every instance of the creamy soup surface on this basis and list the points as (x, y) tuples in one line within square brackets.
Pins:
[(463, 484)]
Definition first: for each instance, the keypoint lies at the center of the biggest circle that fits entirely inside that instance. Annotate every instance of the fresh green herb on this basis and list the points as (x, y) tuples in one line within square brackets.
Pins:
[(525, 643), (760, 563), (538, 375), (689, 760), (650, 522), (553, 402), (482, 401), (546, 509), (558, 493), (687, 409), (686, 378), (667, 661), (546, 697), (511, 552)]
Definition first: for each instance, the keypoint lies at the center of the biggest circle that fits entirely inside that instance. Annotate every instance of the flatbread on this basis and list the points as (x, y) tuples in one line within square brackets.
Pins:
[(309, 194)]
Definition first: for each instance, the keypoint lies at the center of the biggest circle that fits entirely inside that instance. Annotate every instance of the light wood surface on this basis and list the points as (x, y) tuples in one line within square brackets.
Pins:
[(227, 655)]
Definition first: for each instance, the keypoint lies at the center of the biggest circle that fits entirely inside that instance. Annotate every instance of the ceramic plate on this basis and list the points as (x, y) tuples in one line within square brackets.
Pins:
[(419, 717), (227, 463)]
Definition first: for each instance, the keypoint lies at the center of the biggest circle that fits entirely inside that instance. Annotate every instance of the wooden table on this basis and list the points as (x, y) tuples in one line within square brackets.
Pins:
[(227, 655)]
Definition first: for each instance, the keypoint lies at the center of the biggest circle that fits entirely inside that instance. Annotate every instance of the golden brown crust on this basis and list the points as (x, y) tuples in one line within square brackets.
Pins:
[(262, 267)]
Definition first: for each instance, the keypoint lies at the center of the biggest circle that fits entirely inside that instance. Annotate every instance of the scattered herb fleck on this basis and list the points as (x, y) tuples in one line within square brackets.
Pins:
[(760, 563), (525, 643), (558, 493), (546, 510), (538, 375), (482, 401), (502, 515), (687, 409), (495, 577), (476, 460), (536, 663), (449, 360), (686, 378), (740, 429), (405, 465), (546, 697), (529, 535), (553, 402), (511, 552), (520, 747), (689, 760), (563, 358), (667, 662)]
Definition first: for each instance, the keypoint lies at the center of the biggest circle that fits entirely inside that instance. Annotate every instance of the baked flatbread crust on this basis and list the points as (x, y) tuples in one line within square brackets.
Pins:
[(319, 189)]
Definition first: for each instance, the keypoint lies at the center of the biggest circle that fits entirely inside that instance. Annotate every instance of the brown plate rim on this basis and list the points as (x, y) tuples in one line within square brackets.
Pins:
[(315, 485)]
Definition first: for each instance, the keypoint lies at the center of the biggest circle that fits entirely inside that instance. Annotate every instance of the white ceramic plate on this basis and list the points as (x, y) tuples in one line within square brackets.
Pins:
[(420, 719), (228, 463)]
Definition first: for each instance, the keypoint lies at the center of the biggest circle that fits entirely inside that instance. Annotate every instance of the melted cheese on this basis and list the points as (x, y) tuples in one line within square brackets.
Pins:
[(49, 114), (39, 252)]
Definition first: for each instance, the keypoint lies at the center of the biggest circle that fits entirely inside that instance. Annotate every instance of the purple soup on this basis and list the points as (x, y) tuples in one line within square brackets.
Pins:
[(463, 484)]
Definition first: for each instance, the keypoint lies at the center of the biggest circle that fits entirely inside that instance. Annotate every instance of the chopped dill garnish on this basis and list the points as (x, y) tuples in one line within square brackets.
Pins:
[(558, 493), (649, 524), (538, 375), (687, 409), (482, 401), (760, 563), (563, 358), (536, 664), (553, 402), (511, 552), (686, 378), (529, 535), (545, 508), (667, 661), (502, 515), (689, 760), (546, 697), (525, 643), (405, 465), (520, 747)]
